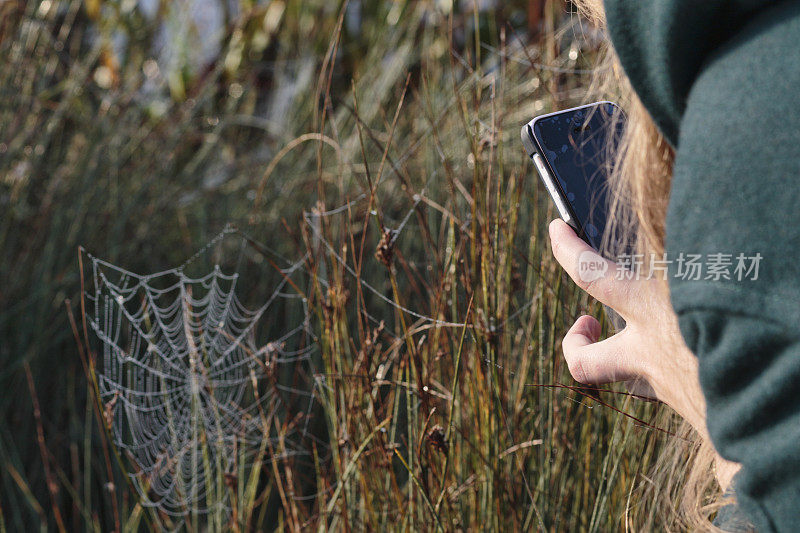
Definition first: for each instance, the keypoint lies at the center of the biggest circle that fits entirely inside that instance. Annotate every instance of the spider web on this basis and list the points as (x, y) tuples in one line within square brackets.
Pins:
[(191, 397)]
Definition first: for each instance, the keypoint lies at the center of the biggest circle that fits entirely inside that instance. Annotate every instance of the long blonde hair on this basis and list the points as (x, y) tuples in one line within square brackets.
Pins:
[(680, 491)]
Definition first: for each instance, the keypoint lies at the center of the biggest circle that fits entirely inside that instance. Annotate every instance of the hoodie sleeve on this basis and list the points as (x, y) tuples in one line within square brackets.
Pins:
[(750, 374)]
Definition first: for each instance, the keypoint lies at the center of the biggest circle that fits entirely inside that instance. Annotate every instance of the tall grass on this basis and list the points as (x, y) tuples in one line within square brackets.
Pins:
[(381, 139)]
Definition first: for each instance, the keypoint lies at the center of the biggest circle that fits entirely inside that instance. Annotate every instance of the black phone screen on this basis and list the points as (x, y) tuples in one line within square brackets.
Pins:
[(577, 144)]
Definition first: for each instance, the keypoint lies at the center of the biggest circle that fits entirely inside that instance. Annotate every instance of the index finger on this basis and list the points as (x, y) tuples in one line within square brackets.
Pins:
[(591, 271)]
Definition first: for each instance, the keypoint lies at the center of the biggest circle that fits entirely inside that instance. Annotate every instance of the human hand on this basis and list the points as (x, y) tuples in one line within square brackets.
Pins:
[(649, 351)]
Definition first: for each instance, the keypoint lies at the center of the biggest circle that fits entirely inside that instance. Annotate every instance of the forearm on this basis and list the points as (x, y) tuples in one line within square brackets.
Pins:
[(677, 384)]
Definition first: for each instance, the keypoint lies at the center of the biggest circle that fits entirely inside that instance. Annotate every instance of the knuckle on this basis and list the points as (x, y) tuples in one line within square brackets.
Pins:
[(577, 368), (601, 288)]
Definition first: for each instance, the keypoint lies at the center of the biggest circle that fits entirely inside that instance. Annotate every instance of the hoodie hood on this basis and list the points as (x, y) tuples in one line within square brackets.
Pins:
[(663, 45)]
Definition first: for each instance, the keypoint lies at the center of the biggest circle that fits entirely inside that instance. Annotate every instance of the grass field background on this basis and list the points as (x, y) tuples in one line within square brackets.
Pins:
[(325, 133)]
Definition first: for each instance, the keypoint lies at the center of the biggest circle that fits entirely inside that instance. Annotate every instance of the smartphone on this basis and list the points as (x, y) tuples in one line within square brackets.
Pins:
[(571, 151)]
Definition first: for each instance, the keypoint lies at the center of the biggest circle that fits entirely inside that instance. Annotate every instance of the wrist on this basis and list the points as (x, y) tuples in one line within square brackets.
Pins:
[(677, 384)]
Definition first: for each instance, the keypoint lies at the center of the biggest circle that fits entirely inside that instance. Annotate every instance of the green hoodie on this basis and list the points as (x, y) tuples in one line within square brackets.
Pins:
[(722, 82)]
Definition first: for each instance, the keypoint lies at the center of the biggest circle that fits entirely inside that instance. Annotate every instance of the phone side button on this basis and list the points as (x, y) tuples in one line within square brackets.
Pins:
[(551, 187)]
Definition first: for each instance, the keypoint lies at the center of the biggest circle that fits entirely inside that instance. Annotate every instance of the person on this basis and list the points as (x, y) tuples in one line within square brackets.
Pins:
[(709, 168)]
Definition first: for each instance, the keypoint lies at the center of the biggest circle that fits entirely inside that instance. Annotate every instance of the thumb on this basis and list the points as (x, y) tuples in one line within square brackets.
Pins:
[(595, 363)]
